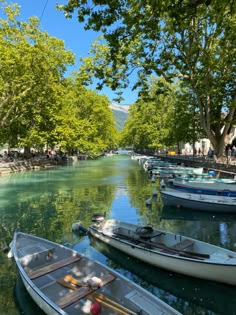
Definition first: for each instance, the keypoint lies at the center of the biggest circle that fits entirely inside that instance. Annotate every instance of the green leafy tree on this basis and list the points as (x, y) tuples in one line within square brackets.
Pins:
[(90, 125), (185, 123), (32, 68), (193, 41), (149, 123)]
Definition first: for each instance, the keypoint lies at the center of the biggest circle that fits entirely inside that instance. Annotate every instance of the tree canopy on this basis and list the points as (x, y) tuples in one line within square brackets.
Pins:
[(191, 41), (165, 117), (39, 107), (32, 66), (85, 121), (150, 120)]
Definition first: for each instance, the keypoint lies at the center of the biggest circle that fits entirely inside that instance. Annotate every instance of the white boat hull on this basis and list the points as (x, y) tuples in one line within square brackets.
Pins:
[(200, 202), (205, 269), (178, 171), (42, 303)]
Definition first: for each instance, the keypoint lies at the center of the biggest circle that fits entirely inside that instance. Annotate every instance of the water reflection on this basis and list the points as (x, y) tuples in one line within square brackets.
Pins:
[(218, 229), (47, 203), (173, 213)]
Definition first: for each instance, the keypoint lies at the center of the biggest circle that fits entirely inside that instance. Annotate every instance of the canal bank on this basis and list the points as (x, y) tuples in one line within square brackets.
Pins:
[(36, 163), (7, 168)]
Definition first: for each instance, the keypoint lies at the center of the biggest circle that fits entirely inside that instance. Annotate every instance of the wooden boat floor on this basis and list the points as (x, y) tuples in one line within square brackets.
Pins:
[(52, 267)]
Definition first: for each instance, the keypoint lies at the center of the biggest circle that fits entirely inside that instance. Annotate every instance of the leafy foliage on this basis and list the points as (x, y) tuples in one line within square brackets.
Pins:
[(38, 106), (90, 126), (32, 65), (192, 41), (150, 119)]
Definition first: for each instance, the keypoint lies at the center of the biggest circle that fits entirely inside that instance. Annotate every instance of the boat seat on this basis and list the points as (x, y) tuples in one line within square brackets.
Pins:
[(144, 304), (52, 267), (182, 245), (156, 234), (82, 292), (150, 236)]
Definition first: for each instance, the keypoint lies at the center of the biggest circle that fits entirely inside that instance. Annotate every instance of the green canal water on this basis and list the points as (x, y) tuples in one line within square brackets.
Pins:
[(47, 203)]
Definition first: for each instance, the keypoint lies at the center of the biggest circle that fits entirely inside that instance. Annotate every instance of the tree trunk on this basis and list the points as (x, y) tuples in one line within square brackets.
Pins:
[(27, 152)]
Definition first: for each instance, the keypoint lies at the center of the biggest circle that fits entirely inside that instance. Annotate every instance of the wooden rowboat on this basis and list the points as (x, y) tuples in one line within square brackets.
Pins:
[(169, 250), (62, 281)]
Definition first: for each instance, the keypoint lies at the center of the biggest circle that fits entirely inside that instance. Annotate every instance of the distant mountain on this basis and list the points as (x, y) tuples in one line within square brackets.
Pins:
[(120, 108), (121, 114)]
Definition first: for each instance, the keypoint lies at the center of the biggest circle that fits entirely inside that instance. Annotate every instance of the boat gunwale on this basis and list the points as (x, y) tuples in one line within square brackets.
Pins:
[(173, 256)]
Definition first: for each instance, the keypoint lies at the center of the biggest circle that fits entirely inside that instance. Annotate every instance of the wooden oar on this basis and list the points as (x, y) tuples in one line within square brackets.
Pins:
[(96, 294), (73, 283)]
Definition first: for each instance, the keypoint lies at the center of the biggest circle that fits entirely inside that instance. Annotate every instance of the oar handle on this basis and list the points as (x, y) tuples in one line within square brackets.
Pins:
[(118, 310), (101, 297), (72, 280)]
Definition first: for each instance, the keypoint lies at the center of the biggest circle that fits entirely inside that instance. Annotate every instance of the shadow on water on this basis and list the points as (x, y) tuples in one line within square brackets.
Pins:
[(204, 297), (23, 300), (173, 213)]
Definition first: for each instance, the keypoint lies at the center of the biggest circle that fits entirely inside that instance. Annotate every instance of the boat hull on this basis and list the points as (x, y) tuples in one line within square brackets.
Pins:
[(41, 302), (204, 269), (175, 171), (185, 201), (219, 189)]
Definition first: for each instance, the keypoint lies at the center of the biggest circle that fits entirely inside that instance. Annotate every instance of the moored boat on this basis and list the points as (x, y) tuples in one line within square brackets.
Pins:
[(202, 178), (164, 173), (168, 250), (210, 188), (62, 281), (198, 201), (179, 285)]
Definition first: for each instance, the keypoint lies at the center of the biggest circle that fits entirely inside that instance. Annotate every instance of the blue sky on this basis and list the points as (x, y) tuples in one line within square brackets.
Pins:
[(75, 37)]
